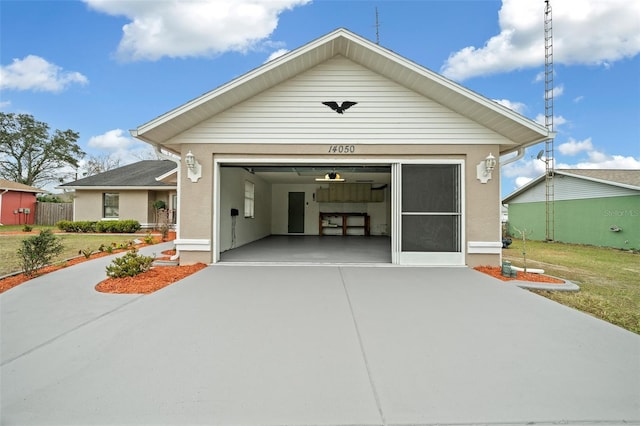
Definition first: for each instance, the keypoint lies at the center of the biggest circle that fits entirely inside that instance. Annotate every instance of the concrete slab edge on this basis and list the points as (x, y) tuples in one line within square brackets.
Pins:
[(567, 286)]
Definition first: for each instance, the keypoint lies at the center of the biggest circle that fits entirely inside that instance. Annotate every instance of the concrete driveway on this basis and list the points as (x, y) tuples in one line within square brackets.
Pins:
[(309, 345)]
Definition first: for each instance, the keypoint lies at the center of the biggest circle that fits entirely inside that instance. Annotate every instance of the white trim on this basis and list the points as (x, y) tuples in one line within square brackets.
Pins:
[(397, 257), (428, 258), (121, 188), (169, 173), (215, 208), (432, 258), (193, 244), (396, 202), (486, 247)]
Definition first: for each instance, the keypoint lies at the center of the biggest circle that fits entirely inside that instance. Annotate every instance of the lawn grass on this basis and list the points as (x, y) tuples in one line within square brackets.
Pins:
[(73, 243), (608, 278)]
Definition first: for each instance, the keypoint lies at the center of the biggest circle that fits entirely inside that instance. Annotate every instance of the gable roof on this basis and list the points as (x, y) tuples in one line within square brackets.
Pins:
[(618, 177), (142, 174), (502, 120), (20, 187), (629, 179)]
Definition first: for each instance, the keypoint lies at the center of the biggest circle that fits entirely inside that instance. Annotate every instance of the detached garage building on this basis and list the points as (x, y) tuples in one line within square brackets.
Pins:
[(597, 207), (345, 137)]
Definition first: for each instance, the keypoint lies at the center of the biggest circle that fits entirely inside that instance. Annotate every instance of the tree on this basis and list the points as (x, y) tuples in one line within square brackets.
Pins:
[(29, 154), (100, 164)]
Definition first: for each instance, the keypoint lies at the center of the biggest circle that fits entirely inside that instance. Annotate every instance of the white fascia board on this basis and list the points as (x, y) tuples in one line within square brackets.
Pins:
[(166, 175), (120, 188), (523, 188)]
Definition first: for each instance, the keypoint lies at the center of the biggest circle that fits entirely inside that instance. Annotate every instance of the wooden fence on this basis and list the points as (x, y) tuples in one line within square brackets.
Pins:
[(52, 213)]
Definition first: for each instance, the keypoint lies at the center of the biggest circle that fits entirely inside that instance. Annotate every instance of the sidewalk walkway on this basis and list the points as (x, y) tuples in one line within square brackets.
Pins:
[(311, 345)]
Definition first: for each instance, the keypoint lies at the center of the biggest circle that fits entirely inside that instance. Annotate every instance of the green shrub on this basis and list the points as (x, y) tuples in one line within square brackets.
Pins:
[(37, 251), (110, 226), (77, 226), (129, 265), (50, 199), (118, 226), (27, 228)]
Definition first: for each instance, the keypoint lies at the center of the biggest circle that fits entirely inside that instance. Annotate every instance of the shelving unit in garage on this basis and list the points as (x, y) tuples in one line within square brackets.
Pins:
[(344, 222)]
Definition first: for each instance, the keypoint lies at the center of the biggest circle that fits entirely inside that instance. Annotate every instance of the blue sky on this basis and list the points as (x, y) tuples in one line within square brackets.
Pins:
[(102, 67)]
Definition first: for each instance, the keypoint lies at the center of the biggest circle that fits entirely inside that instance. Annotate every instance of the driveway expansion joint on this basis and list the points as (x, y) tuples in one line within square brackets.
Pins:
[(362, 351), (61, 335)]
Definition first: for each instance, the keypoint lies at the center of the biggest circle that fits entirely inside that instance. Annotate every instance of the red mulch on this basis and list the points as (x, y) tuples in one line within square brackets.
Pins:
[(150, 281), (496, 272)]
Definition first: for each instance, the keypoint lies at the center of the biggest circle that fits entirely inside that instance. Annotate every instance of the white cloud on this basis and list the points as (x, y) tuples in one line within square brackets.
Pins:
[(121, 147), (521, 181), (558, 120), (112, 140), (573, 147), (179, 29), (277, 54), (5, 104), (600, 160), (518, 107), (558, 90), (35, 73), (578, 99), (595, 32)]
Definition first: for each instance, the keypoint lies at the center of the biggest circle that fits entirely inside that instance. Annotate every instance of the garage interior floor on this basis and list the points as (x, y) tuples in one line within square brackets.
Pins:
[(351, 249)]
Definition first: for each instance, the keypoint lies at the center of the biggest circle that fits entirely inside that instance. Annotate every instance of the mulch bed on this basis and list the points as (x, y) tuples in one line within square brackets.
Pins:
[(496, 272), (147, 282)]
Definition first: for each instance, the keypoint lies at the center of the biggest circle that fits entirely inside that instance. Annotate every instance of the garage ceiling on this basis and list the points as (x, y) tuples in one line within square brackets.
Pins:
[(305, 174)]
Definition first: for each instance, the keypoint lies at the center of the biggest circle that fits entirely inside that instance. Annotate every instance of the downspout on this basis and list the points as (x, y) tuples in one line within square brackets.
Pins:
[(518, 156), (1, 194), (177, 161)]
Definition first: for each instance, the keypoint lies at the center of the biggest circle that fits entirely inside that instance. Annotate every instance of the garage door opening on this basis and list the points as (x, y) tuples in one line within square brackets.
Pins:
[(320, 213), (413, 211)]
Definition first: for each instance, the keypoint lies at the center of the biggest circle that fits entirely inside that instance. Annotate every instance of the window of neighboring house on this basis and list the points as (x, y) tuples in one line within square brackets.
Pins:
[(249, 199), (110, 205)]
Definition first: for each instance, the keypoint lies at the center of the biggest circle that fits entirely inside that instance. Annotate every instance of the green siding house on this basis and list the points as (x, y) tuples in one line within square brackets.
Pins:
[(597, 207)]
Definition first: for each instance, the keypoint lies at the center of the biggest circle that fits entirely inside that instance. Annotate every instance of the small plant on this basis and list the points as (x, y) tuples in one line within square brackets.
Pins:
[(148, 239), (106, 248), (37, 251), (129, 265), (27, 228), (524, 233), (126, 245), (87, 252)]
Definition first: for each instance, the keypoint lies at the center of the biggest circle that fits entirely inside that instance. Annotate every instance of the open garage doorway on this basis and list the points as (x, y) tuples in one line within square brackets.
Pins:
[(307, 213)]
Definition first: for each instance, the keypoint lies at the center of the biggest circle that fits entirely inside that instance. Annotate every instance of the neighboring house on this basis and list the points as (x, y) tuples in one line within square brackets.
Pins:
[(265, 154), (597, 207), (17, 203), (128, 192)]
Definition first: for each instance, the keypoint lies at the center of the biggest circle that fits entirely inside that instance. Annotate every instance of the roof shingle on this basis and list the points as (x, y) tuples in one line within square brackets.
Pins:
[(142, 173)]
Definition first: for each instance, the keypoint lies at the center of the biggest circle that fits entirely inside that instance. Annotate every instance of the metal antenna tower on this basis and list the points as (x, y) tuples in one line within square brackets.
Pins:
[(377, 27), (548, 121)]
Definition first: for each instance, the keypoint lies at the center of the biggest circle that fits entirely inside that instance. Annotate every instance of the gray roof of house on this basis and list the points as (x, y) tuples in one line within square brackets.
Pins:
[(625, 177), (140, 174), (617, 177)]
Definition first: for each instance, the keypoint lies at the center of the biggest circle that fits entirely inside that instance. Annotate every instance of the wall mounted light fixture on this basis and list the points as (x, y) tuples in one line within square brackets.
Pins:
[(485, 167), (194, 169)]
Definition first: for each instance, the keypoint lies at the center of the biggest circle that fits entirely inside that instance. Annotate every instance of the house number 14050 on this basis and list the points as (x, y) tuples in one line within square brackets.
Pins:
[(342, 149)]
